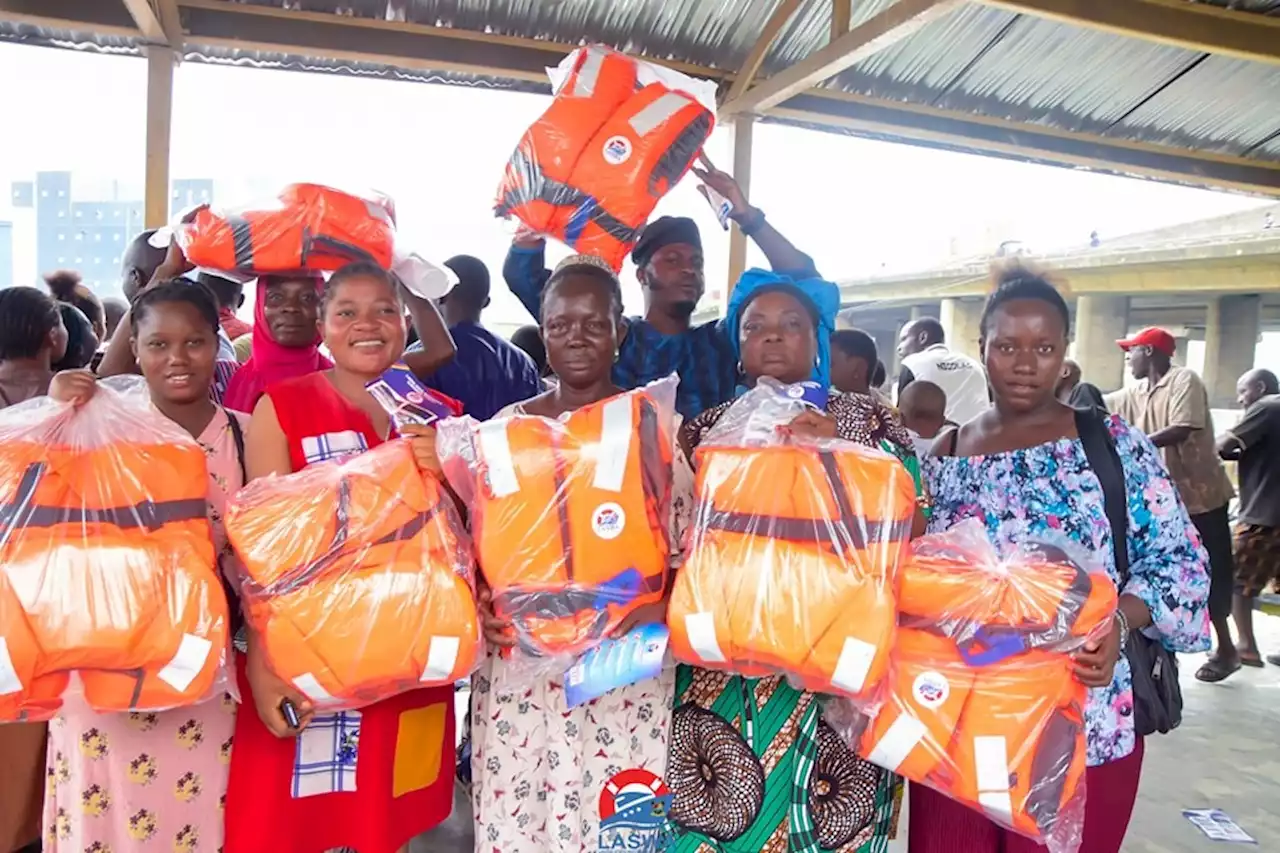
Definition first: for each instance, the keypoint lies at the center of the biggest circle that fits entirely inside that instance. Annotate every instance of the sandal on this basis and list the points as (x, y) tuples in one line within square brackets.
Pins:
[(1214, 670), (1252, 661)]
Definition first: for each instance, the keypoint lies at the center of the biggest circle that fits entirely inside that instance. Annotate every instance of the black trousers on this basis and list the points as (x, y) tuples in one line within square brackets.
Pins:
[(1215, 533)]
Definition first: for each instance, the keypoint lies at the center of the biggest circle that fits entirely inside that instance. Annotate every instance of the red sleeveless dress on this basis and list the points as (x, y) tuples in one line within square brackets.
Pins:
[(392, 778)]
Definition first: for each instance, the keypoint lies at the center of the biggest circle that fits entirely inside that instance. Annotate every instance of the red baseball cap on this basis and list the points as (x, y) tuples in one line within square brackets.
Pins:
[(1156, 338)]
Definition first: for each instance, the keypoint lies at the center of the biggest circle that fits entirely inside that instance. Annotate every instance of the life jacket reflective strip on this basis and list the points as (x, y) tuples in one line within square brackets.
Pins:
[(315, 228), (353, 578), (786, 543), (568, 518), (590, 171), (108, 570), (1007, 739)]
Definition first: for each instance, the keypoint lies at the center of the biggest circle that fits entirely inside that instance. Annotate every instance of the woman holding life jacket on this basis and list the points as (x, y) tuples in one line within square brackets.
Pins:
[(368, 779), (154, 781), (540, 766), (1021, 466), (32, 337), (744, 747), (286, 338)]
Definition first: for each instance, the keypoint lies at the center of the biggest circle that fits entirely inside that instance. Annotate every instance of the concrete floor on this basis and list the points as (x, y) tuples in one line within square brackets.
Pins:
[(1226, 755)]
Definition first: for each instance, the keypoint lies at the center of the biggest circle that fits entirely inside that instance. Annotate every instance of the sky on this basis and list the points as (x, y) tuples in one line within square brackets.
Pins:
[(858, 207)]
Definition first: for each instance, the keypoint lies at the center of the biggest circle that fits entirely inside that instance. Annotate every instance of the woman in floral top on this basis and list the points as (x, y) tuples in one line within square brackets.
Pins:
[(1020, 467), (154, 782)]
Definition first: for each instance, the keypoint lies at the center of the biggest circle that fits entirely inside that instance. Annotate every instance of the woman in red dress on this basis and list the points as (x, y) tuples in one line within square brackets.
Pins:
[(370, 779)]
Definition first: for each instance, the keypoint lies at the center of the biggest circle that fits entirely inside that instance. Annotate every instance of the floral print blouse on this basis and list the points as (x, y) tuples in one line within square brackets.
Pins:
[(1051, 487)]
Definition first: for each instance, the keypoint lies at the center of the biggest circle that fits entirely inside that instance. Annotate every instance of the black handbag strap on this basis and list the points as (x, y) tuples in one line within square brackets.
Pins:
[(1102, 456)]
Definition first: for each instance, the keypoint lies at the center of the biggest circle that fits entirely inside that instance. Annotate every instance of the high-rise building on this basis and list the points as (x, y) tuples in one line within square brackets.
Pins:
[(90, 236)]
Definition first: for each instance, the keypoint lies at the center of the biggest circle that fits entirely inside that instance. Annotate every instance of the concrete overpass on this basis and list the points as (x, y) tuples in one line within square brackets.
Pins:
[(1222, 289)]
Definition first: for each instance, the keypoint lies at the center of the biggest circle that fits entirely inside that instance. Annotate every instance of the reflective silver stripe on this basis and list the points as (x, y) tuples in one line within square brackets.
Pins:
[(651, 117), (584, 86), (616, 432)]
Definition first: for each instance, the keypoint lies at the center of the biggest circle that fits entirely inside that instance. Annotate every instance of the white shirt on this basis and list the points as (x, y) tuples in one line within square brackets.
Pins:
[(961, 378)]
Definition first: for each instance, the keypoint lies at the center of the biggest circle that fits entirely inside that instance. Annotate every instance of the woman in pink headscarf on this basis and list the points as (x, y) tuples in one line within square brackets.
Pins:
[(286, 338)]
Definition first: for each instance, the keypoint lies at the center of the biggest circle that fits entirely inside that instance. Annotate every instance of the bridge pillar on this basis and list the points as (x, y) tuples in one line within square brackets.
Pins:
[(960, 320), (1100, 322), (1230, 342)]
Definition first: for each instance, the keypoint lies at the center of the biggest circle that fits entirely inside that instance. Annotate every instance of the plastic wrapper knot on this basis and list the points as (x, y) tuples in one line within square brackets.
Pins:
[(983, 704), (569, 516), (618, 136), (109, 585), (357, 578), (793, 552)]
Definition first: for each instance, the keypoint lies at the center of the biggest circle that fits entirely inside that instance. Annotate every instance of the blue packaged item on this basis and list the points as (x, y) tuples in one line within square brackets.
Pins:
[(408, 401), (615, 663), (810, 392)]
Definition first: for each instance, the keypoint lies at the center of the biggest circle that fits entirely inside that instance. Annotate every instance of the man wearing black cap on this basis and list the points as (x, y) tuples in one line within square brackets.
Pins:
[(668, 258)]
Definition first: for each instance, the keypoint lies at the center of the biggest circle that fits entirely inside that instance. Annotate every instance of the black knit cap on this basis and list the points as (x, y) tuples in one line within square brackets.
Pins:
[(664, 231)]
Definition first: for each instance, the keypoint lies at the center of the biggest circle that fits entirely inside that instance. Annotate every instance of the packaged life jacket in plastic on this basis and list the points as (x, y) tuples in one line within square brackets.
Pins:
[(107, 565), (569, 516), (356, 578), (983, 702), (619, 134), (308, 227), (793, 553)]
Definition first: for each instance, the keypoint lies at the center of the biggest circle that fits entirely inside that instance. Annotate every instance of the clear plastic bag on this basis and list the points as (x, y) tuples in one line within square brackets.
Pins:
[(793, 552), (356, 578), (308, 227), (109, 584), (983, 704), (618, 136), (569, 517)]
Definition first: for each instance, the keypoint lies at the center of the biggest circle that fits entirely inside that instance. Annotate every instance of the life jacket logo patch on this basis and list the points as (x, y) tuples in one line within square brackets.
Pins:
[(617, 150), (930, 689), (608, 521)]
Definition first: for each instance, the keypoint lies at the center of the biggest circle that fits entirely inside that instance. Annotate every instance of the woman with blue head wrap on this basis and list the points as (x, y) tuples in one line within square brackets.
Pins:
[(752, 765)]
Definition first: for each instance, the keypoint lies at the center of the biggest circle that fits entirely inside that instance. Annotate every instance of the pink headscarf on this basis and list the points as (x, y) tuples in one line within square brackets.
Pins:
[(271, 362)]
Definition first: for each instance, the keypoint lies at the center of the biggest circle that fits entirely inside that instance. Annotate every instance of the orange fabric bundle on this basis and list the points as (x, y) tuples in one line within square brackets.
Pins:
[(310, 227), (107, 565), (791, 564), (356, 578), (984, 705), (611, 145), (570, 515)]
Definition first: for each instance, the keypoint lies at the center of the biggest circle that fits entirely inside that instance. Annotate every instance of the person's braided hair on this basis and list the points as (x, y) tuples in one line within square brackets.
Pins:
[(27, 316)]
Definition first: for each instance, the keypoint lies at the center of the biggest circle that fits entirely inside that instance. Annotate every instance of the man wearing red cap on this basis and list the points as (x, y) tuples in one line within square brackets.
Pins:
[(1170, 404)]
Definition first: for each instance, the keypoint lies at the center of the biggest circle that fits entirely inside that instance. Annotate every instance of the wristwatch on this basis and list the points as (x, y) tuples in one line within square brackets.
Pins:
[(749, 221)]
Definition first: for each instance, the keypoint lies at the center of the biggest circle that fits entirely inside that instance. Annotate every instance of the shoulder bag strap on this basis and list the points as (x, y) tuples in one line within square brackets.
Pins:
[(1102, 456), (237, 435)]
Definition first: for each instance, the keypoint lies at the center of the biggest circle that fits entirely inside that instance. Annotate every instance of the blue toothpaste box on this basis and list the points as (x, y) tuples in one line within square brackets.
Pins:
[(616, 663), (408, 401)]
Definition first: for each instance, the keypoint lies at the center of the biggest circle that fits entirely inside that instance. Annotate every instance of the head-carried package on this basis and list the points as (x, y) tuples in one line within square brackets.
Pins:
[(570, 515), (793, 552), (356, 578), (107, 565), (619, 135), (983, 704)]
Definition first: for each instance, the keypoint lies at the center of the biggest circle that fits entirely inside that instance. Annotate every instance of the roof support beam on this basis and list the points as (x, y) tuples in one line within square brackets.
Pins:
[(160, 62), (147, 20), (1193, 26), (889, 27), (772, 28), (841, 17), (898, 122)]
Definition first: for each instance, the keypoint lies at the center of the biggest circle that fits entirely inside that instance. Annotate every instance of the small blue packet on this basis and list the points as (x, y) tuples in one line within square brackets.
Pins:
[(617, 663), (408, 401)]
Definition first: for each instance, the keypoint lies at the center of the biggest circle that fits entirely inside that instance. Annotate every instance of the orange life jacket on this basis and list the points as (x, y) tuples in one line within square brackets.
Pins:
[(107, 569), (314, 228), (356, 578), (570, 517), (592, 168), (984, 704), (791, 564)]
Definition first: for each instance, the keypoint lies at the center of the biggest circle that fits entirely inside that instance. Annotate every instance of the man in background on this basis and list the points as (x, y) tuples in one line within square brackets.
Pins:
[(230, 296), (1254, 443), (1075, 393), (1170, 404), (488, 373), (853, 361), (923, 406), (923, 348)]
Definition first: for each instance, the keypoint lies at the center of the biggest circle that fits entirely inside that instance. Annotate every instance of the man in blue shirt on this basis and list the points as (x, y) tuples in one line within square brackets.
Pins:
[(668, 258), (488, 373)]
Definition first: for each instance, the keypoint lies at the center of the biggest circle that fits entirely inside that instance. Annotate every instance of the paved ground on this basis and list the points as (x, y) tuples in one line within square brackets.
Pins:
[(1226, 755)]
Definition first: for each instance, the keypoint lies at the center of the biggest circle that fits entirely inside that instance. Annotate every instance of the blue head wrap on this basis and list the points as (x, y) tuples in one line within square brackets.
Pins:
[(821, 297)]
